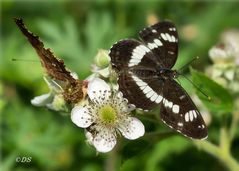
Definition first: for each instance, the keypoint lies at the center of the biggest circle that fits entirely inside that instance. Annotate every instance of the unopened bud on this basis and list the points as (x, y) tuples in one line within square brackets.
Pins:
[(58, 103), (102, 58)]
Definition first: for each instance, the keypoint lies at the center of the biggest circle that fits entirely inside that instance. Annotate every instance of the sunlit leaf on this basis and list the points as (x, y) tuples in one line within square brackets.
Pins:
[(221, 100)]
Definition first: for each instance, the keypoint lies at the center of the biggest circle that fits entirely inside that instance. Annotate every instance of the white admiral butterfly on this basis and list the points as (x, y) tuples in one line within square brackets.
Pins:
[(147, 80)]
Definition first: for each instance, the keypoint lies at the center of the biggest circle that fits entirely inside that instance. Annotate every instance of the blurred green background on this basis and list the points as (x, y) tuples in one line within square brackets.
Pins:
[(75, 30)]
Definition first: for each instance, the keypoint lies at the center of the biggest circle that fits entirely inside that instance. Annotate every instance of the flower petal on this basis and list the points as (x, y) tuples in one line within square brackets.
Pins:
[(42, 100), (123, 103), (98, 90), (81, 117), (91, 77), (104, 141), (133, 129), (104, 72), (131, 107), (89, 137)]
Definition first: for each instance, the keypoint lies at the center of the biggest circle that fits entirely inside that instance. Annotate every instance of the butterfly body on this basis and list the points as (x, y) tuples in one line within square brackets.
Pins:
[(147, 80)]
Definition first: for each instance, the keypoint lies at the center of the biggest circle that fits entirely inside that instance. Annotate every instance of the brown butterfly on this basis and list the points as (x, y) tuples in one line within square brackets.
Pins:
[(74, 89)]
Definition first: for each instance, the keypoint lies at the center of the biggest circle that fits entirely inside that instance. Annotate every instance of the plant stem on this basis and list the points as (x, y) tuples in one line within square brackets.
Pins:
[(233, 128), (110, 163), (218, 152), (235, 120), (225, 143)]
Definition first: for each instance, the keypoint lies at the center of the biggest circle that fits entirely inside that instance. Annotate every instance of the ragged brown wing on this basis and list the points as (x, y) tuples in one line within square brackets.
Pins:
[(54, 67)]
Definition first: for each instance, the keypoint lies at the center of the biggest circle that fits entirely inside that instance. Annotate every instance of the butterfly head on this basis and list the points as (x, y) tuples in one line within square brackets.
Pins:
[(168, 73)]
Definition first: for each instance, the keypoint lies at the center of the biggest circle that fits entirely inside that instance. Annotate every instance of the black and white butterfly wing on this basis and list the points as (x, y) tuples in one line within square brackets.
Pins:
[(139, 65), (137, 91), (162, 40), (179, 112), (133, 61), (129, 53)]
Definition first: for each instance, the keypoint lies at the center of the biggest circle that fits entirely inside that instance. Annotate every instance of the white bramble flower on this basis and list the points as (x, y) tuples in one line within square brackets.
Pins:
[(225, 57), (228, 51), (105, 116)]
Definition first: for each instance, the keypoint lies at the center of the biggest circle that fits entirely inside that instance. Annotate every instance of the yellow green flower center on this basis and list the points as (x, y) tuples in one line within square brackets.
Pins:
[(107, 114)]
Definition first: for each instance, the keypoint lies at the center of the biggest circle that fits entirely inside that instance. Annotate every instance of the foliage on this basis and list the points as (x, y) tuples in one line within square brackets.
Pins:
[(220, 99)]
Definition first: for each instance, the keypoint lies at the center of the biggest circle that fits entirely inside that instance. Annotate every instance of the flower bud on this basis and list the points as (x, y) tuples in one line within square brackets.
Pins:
[(102, 58), (58, 103)]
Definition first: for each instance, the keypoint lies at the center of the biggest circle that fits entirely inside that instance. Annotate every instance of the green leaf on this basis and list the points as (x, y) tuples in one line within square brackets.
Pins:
[(221, 100)]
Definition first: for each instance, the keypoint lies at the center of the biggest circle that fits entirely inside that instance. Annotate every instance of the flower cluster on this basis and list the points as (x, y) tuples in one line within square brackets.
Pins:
[(225, 57), (103, 113)]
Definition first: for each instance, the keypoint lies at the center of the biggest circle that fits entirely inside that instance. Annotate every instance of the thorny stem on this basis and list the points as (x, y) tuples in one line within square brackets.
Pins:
[(218, 152), (222, 151)]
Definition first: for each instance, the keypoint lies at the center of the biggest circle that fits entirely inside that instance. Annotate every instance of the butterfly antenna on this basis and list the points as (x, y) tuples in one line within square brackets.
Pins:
[(198, 88), (189, 63), (25, 60)]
